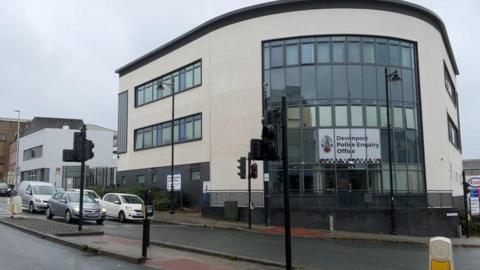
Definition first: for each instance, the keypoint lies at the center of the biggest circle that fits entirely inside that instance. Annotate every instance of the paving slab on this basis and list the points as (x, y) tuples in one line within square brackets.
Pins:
[(165, 258)]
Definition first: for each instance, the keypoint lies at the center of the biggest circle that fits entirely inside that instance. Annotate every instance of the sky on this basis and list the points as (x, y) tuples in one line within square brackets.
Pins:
[(57, 58)]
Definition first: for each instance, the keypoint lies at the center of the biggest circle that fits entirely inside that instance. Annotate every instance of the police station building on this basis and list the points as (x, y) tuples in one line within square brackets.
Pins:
[(334, 61)]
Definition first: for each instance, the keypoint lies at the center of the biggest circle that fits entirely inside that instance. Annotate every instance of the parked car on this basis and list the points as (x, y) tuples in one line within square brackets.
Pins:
[(67, 204), (35, 195), (89, 192), (123, 206), (5, 189)]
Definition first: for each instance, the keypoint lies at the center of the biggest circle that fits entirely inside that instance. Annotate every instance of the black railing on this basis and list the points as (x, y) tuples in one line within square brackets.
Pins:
[(336, 199)]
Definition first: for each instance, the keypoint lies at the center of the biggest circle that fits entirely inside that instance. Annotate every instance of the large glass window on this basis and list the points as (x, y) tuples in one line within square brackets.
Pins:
[(323, 52), (356, 114), (371, 116), (292, 55), (325, 113), (341, 117), (186, 129), (307, 53), (182, 79), (335, 86)]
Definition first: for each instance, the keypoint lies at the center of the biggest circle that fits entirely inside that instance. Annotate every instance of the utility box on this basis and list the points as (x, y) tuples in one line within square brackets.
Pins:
[(230, 209)]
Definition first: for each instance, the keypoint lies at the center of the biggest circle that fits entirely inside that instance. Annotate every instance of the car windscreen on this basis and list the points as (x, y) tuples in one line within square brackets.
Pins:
[(3, 185), (75, 197), (43, 190), (132, 199), (92, 194)]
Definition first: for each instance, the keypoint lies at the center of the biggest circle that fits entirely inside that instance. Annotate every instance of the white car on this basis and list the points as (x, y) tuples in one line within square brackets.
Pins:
[(123, 206)]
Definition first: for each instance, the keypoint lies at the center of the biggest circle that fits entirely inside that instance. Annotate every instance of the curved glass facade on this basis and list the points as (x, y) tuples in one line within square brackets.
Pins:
[(337, 117)]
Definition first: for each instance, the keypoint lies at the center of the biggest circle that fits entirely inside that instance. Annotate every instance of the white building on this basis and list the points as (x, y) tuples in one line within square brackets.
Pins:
[(330, 58), (42, 145)]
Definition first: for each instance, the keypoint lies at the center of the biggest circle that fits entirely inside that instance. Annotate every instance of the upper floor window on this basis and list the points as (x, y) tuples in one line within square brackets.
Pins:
[(180, 80), (450, 87), (33, 153), (453, 135), (185, 129), (3, 137)]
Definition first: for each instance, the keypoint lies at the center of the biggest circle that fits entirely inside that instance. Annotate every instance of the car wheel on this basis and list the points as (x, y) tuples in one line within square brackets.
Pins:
[(31, 208), (121, 217), (68, 216), (100, 221), (48, 213)]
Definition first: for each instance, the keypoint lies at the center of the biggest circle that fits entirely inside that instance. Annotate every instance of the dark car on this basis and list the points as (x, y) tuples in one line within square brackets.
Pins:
[(5, 189)]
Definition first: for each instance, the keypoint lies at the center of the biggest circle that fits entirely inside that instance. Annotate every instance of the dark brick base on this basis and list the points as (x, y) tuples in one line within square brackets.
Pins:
[(418, 222)]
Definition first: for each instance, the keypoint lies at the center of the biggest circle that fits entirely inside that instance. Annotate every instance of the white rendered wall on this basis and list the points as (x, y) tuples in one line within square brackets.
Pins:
[(54, 141), (231, 94)]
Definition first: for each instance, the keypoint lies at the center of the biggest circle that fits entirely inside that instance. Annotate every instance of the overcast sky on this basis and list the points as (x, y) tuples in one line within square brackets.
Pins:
[(57, 58)]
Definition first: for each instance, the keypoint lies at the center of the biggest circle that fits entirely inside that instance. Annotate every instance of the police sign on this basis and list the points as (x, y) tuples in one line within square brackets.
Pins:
[(474, 182)]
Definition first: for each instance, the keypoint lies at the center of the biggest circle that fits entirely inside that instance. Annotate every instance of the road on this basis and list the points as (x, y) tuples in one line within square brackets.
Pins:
[(23, 251), (312, 253)]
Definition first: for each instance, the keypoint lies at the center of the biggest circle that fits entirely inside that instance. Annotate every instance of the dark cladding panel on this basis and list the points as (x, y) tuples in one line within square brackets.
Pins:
[(122, 122)]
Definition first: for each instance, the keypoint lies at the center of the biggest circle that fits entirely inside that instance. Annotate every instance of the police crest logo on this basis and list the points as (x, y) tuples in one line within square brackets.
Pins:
[(327, 143)]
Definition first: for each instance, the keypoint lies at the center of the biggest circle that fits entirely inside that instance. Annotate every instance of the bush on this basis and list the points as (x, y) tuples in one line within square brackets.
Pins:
[(473, 224), (160, 197)]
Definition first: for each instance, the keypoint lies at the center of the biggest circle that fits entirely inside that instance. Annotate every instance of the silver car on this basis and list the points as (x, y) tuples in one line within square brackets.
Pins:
[(66, 204)]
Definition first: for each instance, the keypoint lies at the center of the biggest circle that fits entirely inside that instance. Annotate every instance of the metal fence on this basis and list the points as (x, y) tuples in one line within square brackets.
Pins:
[(219, 197), (340, 199)]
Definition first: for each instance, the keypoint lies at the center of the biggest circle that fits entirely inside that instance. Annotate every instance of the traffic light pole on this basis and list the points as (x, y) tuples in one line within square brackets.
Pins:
[(286, 199), (465, 204), (249, 193), (82, 174)]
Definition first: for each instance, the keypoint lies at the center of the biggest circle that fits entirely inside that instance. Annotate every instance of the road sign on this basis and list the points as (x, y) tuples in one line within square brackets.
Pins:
[(177, 182), (475, 206)]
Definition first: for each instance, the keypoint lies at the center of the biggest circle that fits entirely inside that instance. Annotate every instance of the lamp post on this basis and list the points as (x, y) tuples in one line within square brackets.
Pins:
[(390, 77), (17, 169), (172, 192)]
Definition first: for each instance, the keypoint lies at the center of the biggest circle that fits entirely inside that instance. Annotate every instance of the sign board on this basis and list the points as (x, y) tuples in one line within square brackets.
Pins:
[(475, 206), (177, 182), (344, 144), (206, 186), (266, 177), (474, 181)]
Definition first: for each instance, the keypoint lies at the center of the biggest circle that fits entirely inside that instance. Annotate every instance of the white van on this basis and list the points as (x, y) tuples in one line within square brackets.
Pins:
[(35, 195)]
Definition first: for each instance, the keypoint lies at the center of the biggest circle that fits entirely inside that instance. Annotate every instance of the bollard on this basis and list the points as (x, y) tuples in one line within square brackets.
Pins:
[(440, 254), (331, 223)]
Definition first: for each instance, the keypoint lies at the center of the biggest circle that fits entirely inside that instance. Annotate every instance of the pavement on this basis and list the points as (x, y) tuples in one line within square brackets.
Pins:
[(195, 219), (19, 251)]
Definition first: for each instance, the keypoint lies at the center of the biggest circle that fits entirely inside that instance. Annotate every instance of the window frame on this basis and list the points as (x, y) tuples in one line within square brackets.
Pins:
[(169, 75), (448, 81), (451, 124), (159, 126)]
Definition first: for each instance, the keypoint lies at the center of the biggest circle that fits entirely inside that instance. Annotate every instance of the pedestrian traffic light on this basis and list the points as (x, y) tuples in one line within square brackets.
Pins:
[(253, 171), (241, 167), (89, 145)]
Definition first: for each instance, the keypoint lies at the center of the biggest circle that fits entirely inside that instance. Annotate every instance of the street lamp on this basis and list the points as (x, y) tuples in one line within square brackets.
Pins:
[(17, 169), (390, 77), (172, 88)]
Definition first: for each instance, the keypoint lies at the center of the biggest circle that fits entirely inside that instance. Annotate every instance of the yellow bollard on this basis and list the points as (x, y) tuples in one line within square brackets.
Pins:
[(440, 254)]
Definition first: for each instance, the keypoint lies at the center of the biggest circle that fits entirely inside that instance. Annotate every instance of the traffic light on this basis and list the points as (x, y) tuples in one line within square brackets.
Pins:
[(77, 145), (241, 167), (89, 145), (253, 170)]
